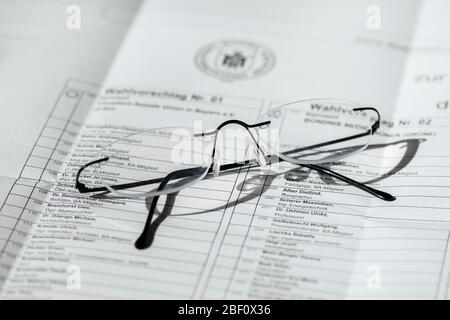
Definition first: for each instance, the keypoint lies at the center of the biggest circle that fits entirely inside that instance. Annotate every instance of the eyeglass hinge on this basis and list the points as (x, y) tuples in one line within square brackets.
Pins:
[(375, 126), (81, 187)]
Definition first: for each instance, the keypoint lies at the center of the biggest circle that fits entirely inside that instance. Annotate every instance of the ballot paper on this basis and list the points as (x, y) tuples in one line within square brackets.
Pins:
[(254, 236)]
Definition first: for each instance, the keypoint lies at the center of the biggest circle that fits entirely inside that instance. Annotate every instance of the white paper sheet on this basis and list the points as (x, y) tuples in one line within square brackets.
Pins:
[(254, 242)]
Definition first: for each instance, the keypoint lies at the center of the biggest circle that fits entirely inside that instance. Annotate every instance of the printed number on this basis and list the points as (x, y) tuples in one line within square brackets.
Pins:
[(425, 122), (215, 99)]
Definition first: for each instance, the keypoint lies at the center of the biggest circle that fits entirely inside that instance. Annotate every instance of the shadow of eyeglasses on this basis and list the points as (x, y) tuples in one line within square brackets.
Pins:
[(260, 184)]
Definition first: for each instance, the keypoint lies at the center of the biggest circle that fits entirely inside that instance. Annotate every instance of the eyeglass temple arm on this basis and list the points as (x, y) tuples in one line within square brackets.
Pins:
[(375, 192)]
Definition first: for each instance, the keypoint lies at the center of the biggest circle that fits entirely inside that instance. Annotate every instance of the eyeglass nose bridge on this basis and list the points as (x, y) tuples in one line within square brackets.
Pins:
[(215, 159)]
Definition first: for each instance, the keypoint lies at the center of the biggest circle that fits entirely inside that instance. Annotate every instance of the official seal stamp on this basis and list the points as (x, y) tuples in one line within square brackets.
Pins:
[(231, 60)]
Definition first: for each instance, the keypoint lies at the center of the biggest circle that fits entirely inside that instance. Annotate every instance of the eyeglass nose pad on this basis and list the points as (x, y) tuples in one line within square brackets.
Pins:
[(216, 163)]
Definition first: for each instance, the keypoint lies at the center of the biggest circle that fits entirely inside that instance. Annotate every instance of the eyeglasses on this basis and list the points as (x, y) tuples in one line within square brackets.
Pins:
[(167, 160)]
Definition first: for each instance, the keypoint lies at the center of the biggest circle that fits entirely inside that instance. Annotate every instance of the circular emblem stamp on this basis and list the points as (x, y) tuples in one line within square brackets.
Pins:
[(235, 60)]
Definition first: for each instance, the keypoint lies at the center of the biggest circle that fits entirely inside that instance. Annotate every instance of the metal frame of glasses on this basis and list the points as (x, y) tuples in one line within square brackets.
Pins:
[(160, 184)]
